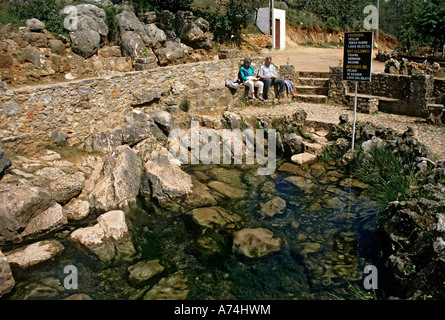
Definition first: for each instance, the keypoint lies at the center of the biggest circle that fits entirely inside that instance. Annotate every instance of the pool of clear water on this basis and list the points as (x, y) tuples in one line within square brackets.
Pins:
[(327, 227)]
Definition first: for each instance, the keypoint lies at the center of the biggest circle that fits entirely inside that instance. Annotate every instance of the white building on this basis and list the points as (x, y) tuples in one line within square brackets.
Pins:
[(278, 26)]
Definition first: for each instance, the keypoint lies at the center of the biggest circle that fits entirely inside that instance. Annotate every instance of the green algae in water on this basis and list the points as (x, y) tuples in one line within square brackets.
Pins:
[(327, 231)]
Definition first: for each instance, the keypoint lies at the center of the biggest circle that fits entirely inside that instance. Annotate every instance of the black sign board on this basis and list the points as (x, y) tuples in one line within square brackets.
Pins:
[(357, 56)]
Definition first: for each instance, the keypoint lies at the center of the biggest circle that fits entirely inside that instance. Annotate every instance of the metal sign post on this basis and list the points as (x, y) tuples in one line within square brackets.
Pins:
[(355, 116), (357, 60)]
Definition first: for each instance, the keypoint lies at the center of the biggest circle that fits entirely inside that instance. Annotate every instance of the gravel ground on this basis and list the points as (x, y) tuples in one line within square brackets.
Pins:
[(432, 136)]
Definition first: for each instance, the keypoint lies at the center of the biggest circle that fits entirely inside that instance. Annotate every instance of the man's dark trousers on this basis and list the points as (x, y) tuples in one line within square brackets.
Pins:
[(278, 86)]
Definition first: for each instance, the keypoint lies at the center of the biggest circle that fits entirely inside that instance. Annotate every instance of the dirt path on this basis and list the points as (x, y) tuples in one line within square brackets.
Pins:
[(315, 59)]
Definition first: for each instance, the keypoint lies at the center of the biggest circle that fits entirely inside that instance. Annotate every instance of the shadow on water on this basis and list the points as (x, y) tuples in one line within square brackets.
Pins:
[(328, 232)]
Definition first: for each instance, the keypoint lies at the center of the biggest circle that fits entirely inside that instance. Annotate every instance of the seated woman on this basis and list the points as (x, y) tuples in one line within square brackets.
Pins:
[(247, 74)]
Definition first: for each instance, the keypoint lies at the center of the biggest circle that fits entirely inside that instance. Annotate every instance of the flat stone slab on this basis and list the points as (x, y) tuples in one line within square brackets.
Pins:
[(303, 158), (34, 253), (315, 148)]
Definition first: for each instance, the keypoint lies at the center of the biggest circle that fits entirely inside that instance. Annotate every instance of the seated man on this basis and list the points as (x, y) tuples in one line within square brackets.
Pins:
[(269, 76)]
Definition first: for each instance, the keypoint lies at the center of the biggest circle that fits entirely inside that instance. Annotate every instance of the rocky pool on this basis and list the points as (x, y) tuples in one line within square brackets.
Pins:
[(319, 231)]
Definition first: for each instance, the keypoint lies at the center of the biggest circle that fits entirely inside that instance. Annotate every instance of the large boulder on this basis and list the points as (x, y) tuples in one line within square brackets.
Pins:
[(163, 120), (19, 204), (194, 32), (120, 181), (167, 180), (137, 127), (87, 25), (133, 45), (35, 25), (107, 140), (172, 53), (157, 36), (85, 43), (85, 17), (128, 21), (255, 243), (108, 239), (51, 219), (67, 187)]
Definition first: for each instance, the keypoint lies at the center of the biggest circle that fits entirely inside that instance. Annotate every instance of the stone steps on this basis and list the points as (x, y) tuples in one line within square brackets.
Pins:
[(311, 87), (312, 90), (316, 82), (309, 98), (312, 74), (311, 150)]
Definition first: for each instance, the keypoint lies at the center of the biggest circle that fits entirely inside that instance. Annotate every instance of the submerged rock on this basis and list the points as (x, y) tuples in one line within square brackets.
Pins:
[(145, 270), (200, 197), (255, 243), (229, 176), (172, 288), (213, 216), (228, 190), (273, 207), (310, 247)]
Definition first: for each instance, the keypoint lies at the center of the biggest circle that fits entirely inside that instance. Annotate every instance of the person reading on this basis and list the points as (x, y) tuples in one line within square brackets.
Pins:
[(247, 75)]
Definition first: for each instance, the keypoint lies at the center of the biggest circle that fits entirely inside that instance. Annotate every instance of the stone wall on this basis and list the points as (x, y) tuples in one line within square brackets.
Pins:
[(400, 94), (384, 85), (439, 90), (78, 110)]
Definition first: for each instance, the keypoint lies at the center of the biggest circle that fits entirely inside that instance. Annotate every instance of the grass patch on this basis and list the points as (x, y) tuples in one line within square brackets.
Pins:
[(185, 104), (390, 175)]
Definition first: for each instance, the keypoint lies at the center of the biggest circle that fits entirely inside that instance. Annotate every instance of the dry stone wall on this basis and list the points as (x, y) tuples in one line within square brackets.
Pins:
[(78, 111), (400, 94)]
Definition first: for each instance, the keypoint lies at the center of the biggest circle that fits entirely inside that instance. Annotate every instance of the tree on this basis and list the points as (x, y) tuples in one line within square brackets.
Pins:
[(228, 22), (171, 5), (430, 24)]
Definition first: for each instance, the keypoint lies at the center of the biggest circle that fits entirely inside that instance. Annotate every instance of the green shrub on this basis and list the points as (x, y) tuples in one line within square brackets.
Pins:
[(47, 11), (185, 104), (228, 22)]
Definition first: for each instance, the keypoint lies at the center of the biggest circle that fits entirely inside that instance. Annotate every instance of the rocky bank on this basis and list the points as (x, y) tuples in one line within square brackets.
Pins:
[(84, 195)]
